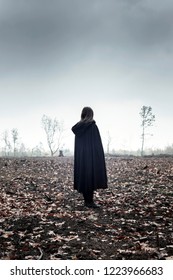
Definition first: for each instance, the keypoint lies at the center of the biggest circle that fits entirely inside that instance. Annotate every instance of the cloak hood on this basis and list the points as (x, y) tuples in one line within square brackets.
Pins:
[(81, 127)]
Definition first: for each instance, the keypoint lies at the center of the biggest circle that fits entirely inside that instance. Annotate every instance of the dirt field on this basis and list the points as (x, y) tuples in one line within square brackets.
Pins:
[(41, 217)]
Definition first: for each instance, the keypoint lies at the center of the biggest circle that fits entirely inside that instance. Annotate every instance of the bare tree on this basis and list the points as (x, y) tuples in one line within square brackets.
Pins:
[(38, 150), (5, 138), (14, 133), (22, 150), (54, 130), (109, 139), (147, 120)]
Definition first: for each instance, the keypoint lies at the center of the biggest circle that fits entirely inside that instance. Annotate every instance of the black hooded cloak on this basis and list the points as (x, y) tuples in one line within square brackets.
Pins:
[(89, 160)]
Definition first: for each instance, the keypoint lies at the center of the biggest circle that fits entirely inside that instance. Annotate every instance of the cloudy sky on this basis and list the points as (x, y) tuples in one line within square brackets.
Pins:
[(57, 56)]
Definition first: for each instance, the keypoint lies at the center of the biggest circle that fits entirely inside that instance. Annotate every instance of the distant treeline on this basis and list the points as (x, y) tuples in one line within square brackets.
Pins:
[(39, 151)]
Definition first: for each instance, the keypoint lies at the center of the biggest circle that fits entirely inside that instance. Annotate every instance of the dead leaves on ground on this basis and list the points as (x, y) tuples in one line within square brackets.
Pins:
[(41, 217)]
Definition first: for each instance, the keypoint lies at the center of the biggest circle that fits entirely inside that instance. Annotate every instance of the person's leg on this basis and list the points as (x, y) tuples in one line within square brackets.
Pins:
[(88, 196)]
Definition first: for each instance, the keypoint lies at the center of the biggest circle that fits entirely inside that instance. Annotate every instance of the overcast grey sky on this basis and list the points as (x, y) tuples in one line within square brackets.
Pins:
[(57, 56)]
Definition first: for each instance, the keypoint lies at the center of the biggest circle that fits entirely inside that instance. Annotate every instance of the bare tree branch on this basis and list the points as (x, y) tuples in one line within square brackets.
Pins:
[(54, 130), (147, 120)]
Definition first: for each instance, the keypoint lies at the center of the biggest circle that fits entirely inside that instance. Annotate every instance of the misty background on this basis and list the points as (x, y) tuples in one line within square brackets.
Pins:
[(57, 56)]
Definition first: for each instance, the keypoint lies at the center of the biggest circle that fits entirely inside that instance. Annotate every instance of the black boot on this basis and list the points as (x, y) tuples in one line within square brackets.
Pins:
[(88, 198), (91, 205)]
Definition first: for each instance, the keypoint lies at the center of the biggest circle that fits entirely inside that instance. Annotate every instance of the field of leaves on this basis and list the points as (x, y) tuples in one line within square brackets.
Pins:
[(41, 217)]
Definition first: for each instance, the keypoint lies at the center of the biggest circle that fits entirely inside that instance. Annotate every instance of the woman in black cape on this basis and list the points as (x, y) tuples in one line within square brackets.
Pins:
[(89, 160)]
